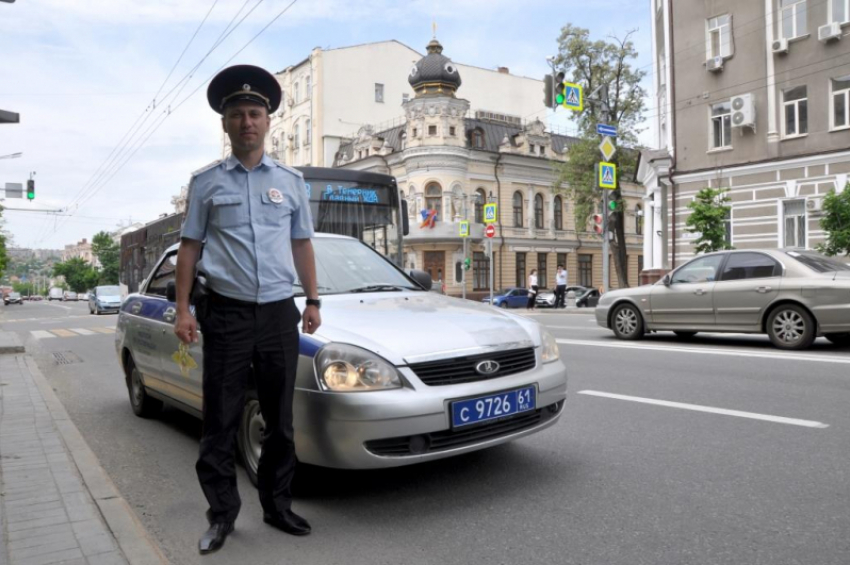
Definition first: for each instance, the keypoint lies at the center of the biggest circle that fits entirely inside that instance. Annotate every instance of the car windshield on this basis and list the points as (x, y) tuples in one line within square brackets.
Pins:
[(820, 263), (346, 265), (14, 295), (108, 291)]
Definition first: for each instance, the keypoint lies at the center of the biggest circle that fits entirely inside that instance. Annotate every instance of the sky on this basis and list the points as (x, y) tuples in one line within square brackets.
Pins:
[(82, 74)]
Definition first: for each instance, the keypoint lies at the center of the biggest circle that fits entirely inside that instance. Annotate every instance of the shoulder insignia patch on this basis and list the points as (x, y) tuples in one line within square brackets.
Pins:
[(295, 172), (206, 168)]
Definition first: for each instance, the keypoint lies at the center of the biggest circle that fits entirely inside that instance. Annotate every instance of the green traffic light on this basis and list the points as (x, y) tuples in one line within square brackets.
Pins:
[(559, 98), (613, 205), (31, 189)]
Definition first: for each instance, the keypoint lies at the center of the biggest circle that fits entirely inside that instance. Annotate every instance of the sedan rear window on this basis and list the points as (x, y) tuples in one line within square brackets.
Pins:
[(820, 263)]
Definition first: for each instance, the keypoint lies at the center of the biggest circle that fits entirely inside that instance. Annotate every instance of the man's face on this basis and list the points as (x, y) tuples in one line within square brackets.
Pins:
[(246, 124)]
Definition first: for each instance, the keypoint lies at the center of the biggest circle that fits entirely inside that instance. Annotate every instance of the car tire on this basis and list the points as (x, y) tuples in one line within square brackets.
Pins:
[(250, 437), (791, 327), (627, 322), (841, 340), (685, 335), (97, 311), (142, 403), (503, 304)]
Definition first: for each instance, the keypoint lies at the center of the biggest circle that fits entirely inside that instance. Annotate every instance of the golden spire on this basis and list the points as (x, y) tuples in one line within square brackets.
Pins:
[(434, 28)]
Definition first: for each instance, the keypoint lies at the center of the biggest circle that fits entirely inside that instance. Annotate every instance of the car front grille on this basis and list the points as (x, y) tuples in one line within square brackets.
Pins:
[(460, 370), (461, 437)]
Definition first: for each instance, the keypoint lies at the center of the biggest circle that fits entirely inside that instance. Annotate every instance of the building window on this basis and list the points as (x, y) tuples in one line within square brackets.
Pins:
[(531, 148), (721, 125), (517, 202), (719, 37), (638, 220), (840, 101), (585, 270), (480, 200), (792, 14), (434, 199), (296, 90), (727, 225), (559, 213), (839, 11), (542, 150), (795, 109), (403, 139), (296, 136), (379, 92), (520, 270), (538, 211), (640, 265), (477, 138), (541, 270), (308, 132), (480, 271), (308, 88), (452, 130), (795, 223), (432, 130)]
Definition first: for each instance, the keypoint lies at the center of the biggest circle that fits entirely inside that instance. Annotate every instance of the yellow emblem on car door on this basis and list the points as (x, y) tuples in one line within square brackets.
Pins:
[(184, 359)]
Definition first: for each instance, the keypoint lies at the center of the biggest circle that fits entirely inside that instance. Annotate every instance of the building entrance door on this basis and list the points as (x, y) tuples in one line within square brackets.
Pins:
[(435, 264)]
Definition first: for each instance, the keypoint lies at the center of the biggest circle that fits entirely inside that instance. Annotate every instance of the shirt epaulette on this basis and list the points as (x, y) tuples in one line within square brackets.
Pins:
[(295, 172), (206, 168)]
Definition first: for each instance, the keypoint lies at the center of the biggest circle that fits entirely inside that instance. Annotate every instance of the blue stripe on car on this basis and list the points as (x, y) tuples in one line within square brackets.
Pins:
[(309, 346)]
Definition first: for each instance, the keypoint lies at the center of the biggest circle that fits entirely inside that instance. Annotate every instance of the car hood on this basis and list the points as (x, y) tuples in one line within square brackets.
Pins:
[(109, 298), (643, 290), (412, 327)]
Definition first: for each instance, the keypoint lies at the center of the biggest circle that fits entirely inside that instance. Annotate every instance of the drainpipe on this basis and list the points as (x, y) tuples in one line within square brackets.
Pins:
[(501, 231), (672, 105)]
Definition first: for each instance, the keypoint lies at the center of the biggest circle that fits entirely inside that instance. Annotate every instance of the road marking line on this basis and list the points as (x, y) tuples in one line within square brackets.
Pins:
[(709, 409), (774, 355), (41, 334), (105, 330), (82, 331), (63, 333)]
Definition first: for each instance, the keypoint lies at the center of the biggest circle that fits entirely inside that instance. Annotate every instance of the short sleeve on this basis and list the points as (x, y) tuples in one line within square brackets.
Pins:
[(302, 217), (197, 213)]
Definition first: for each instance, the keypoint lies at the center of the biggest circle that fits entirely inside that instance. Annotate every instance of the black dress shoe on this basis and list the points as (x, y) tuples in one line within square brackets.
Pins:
[(213, 539), (289, 522)]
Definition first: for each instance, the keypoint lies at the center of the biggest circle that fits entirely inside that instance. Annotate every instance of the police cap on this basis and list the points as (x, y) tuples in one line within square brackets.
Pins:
[(243, 82)]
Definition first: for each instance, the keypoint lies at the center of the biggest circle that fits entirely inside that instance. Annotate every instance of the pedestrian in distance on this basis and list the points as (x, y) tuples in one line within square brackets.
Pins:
[(532, 290), (250, 216), (560, 286)]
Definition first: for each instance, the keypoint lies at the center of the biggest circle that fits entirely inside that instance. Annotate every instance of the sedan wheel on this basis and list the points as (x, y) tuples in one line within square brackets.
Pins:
[(142, 404), (627, 322), (841, 340), (250, 438), (791, 327), (503, 305)]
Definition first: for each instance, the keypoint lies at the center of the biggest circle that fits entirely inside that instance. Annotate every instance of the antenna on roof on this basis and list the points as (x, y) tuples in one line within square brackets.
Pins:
[(434, 28)]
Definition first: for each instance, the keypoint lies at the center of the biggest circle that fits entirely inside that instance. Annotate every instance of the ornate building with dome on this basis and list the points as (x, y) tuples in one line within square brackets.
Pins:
[(451, 163)]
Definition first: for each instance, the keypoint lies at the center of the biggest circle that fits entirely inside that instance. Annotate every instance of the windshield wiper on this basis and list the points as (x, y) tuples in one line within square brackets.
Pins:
[(381, 288)]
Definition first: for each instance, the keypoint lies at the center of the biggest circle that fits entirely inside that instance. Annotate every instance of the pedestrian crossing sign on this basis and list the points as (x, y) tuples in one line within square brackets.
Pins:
[(490, 213), (464, 229), (573, 99), (607, 175)]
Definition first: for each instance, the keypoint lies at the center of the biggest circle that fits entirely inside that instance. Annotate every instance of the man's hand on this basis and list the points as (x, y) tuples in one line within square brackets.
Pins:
[(186, 328), (310, 320)]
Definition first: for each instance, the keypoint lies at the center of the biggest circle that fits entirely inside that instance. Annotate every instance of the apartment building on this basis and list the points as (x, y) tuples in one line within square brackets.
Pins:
[(753, 97)]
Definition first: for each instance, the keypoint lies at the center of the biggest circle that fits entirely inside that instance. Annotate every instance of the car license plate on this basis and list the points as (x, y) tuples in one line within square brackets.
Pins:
[(493, 407)]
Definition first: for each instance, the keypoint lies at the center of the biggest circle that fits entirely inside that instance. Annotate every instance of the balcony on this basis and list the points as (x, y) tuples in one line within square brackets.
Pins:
[(442, 231)]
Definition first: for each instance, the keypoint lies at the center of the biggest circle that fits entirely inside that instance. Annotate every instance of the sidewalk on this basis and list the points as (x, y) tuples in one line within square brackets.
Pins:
[(57, 505)]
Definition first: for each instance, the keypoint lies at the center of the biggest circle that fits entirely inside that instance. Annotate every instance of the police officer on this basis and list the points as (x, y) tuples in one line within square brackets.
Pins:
[(252, 217)]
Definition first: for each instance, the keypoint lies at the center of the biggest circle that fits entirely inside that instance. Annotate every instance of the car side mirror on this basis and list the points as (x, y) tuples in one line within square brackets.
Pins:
[(171, 291), (405, 219), (421, 278), (666, 281)]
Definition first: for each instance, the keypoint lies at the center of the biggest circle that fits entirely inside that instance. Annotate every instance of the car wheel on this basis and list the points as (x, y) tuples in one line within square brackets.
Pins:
[(97, 311), (627, 322), (250, 437), (503, 304), (841, 340), (685, 335), (791, 327), (143, 404)]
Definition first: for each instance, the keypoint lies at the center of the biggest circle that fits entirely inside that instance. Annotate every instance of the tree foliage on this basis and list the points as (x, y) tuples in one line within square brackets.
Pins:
[(836, 223), (108, 253), (592, 64), (79, 275), (708, 219)]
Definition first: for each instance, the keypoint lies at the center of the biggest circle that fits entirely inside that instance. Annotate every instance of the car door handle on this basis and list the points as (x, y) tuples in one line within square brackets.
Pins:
[(699, 292), (763, 289), (136, 308), (169, 314)]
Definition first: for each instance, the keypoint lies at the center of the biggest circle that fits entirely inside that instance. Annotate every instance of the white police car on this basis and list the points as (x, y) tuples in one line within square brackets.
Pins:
[(395, 375)]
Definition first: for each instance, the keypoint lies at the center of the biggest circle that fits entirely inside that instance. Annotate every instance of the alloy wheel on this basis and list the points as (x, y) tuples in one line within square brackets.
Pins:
[(789, 326), (626, 321), (254, 429)]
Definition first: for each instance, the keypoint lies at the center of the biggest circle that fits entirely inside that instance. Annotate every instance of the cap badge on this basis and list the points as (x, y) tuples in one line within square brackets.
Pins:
[(246, 86), (275, 196)]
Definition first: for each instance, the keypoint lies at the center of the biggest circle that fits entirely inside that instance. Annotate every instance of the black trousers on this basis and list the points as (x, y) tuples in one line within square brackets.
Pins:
[(560, 295), (532, 297), (238, 337)]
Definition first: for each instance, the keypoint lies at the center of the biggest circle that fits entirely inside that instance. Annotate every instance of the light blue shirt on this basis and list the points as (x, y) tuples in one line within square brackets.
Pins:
[(247, 220)]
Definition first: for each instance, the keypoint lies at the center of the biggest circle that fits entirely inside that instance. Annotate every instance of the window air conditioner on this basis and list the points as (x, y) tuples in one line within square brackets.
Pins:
[(715, 64), (814, 204), (780, 46), (743, 111), (829, 32)]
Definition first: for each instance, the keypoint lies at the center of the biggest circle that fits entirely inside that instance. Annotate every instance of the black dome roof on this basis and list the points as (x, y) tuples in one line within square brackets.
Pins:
[(434, 73)]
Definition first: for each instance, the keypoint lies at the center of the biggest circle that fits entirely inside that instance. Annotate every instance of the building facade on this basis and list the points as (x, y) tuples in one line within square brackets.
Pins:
[(759, 105), (81, 249), (451, 164), (332, 93)]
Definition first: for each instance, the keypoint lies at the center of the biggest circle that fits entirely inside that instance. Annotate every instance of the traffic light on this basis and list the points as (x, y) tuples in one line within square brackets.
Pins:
[(467, 264), (598, 224), (613, 205), (560, 89), (31, 189)]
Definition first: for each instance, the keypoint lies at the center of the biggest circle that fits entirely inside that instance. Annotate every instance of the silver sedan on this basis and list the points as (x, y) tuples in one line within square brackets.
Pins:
[(793, 296), (395, 375)]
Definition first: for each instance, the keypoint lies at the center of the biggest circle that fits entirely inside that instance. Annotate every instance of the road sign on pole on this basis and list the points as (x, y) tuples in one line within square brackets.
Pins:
[(464, 229), (602, 129), (608, 148), (573, 99), (490, 231), (490, 215), (607, 175), (14, 190)]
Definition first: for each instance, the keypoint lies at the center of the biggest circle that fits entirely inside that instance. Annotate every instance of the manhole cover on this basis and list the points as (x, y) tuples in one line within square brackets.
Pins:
[(66, 357)]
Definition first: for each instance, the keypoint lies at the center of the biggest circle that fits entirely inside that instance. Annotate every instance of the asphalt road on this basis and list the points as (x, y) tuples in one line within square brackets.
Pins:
[(721, 450)]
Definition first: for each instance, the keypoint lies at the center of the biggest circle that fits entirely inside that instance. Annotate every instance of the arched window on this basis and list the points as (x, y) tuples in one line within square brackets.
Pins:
[(517, 209), (638, 220), (477, 138), (307, 88), (308, 132), (559, 213), (297, 91), (434, 199), (538, 211), (480, 201), (296, 136)]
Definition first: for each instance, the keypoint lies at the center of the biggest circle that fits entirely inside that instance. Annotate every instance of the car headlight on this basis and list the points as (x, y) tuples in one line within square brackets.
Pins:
[(550, 352), (345, 368)]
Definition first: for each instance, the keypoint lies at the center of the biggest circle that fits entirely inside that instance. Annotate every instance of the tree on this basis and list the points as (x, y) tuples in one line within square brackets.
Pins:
[(79, 275), (836, 223), (708, 219), (608, 64), (108, 253)]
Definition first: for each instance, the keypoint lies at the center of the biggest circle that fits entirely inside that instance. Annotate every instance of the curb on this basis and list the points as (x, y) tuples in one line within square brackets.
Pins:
[(132, 537), (9, 343)]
